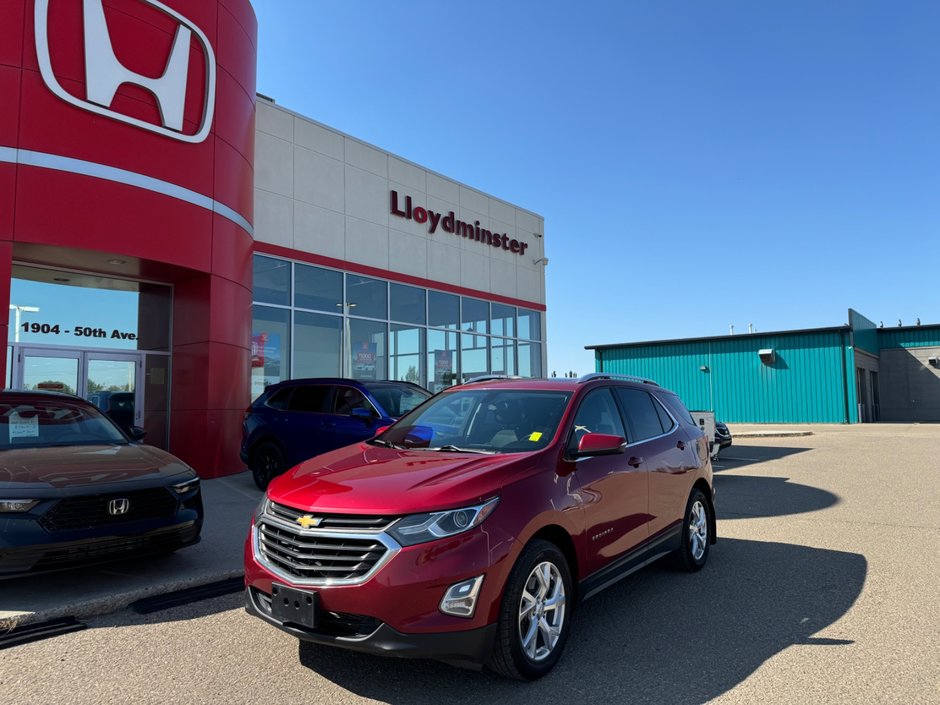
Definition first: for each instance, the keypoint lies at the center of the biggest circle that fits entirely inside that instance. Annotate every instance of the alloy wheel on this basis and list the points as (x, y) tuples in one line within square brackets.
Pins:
[(542, 611)]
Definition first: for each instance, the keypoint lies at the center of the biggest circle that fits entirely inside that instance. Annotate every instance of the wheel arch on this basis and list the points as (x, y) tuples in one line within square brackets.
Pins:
[(702, 486), (555, 534)]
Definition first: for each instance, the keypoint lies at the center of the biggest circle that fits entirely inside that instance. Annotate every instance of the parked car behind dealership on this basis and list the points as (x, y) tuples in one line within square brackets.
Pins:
[(295, 420), (75, 489), (468, 530)]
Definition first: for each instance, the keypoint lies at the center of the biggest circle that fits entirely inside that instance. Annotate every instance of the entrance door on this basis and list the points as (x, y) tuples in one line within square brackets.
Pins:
[(109, 380)]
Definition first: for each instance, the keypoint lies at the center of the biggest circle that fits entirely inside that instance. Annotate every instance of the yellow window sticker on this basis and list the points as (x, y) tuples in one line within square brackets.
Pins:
[(536, 435)]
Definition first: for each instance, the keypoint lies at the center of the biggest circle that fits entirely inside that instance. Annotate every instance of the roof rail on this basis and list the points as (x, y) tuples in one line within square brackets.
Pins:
[(487, 378), (608, 375)]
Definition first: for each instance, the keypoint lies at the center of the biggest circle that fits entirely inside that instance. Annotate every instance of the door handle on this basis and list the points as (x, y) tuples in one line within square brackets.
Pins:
[(635, 462), (680, 445)]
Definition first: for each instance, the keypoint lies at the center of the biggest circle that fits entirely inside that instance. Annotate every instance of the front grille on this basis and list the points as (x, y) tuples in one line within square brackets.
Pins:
[(345, 522), (318, 556), (92, 511)]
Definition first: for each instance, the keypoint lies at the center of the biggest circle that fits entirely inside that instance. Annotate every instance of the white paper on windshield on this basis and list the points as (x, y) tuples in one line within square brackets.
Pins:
[(23, 426)]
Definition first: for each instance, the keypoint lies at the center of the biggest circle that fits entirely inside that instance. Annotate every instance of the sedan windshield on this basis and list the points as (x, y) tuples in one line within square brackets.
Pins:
[(46, 423), (481, 421)]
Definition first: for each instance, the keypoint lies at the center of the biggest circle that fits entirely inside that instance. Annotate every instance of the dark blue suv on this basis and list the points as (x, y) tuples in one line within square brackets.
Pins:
[(297, 419)]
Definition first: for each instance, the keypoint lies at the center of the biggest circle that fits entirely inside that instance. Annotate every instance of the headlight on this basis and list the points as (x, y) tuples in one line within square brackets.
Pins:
[(186, 487), (17, 505), (419, 528)]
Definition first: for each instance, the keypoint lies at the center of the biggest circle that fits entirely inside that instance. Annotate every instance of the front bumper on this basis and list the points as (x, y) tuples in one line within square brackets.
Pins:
[(468, 648)]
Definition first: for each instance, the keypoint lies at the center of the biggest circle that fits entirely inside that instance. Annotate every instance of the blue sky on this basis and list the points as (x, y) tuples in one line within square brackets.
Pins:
[(698, 164)]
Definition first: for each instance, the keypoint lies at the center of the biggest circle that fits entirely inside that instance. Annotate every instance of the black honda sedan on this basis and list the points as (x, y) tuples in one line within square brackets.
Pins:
[(75, 489)]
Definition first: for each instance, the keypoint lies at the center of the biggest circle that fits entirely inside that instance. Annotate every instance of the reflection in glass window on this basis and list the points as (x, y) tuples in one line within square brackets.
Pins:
[(317, 344), (406, 304), (473, 357), (504, 320), (475, 315), (530, 359), (318, 288), (271, 280), (530, 324), (443, 310), (442, 360), (367, 349), (504, 356), (405, 352), (270, 347), (366, 297)]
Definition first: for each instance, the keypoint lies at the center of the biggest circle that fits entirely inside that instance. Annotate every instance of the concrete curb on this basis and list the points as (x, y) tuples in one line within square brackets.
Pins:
[(107, 604), (771, 434)]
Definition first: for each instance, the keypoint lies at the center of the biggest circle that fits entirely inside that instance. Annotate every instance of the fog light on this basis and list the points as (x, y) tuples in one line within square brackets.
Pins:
[(17, 505), (461, 598)]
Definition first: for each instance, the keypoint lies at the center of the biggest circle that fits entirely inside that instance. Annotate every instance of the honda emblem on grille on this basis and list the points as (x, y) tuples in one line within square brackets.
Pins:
[(306, 521), (117, 507)]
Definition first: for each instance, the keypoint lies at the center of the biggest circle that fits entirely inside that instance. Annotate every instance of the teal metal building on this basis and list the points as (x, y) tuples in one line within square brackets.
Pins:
[(859, 372)]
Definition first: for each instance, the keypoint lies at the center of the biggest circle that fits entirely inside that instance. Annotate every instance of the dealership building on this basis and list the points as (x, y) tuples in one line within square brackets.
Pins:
[(169, 236), (860, 372)]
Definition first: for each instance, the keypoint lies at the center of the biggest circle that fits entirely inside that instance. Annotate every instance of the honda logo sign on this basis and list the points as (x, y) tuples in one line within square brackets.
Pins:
[(117, 507), (104, 72)]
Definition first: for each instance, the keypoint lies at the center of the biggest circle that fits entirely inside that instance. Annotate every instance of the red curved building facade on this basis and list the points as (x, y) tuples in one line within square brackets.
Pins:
[(126, 160)]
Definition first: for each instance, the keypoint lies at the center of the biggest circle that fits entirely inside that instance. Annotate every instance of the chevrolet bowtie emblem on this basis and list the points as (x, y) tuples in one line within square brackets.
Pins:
[(306, 521)]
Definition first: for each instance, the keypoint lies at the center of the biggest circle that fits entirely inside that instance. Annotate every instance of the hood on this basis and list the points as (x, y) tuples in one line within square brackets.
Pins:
[(365, 479), (76, 466)]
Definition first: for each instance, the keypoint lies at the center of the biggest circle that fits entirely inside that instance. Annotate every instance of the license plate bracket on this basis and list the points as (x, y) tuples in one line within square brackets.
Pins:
[(292, 606)]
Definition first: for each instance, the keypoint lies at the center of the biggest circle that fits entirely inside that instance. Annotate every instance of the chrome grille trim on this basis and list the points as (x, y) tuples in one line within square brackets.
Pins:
[(331, 522), (268, 536)]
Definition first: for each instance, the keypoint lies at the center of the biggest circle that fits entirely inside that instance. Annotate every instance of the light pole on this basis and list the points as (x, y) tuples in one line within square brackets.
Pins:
[(19, 310)]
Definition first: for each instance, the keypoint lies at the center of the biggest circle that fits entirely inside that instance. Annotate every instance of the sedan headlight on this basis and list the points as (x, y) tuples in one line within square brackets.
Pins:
[(419, 528), (17, 506), (186, 487)]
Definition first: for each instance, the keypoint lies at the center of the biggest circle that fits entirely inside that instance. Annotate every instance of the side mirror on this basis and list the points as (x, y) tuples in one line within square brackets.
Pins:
[(137, 433), (362, 414), (592, 444), (381, 429)]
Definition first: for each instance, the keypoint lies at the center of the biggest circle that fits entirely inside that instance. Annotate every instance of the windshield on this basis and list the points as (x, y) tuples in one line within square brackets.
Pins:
[(54, 422), (482, 420), (396, 399)]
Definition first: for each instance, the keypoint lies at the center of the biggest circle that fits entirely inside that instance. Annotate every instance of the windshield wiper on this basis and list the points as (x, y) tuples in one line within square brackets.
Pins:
[(387, 444), (456, 449)]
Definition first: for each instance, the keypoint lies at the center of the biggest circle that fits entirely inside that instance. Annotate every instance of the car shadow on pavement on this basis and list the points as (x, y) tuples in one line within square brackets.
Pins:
[(746, 496), (739, 456), (657, 637)]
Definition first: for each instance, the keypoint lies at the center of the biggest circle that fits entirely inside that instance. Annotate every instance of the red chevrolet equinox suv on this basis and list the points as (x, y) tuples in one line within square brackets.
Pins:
[(467, 531)]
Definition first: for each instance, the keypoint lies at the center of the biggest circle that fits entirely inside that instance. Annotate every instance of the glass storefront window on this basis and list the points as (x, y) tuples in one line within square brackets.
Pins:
[(366, 297), (318, 288), (271, 280), (406, 304), (530, 359), (405, 352), (475, 315), (442, 359), (443, 310), (530, 324), (270, 347), (367, 349), (317, 345), (504, 356), (473, 356), (504, 320)]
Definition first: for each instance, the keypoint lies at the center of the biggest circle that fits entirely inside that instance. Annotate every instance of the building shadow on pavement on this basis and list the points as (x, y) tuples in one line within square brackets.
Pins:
[(657, 637)]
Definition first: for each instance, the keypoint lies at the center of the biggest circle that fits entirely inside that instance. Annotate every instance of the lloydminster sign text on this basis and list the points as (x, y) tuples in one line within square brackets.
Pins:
[(449, 224)]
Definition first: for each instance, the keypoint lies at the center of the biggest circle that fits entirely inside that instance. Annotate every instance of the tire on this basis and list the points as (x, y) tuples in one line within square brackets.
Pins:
[(526, 594), (696, 525), (267, 462)]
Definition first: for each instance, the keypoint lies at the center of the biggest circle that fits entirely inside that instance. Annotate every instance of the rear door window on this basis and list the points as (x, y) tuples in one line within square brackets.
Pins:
[(347, 399), (640, 410), (309, 398)]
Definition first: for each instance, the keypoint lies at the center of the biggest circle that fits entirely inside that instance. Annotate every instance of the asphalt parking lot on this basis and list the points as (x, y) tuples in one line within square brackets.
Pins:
[(824, 588)]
